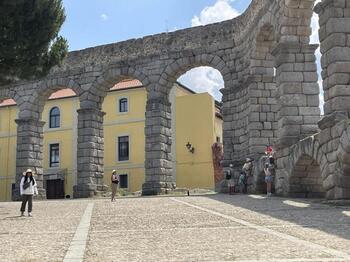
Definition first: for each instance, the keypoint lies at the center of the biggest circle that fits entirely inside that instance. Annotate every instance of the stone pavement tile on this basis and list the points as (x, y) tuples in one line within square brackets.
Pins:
[(332, 238), (127, 214), (310, 221), (163, 229), (46, 236), (172, 231), (275, 211), (193, 244)]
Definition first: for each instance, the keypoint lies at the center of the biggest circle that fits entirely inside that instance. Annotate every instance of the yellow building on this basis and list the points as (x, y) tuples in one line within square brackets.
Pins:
[(196, 125)]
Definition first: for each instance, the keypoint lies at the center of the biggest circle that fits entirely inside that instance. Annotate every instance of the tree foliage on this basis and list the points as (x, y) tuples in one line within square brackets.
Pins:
[(29, 41)]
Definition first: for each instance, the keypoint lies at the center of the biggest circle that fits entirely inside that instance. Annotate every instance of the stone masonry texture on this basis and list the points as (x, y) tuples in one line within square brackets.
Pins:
[(271, 96)]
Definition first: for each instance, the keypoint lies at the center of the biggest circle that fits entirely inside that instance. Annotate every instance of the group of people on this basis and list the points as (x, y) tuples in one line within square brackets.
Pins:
[(28, 185), (247, 172), (28, 189)]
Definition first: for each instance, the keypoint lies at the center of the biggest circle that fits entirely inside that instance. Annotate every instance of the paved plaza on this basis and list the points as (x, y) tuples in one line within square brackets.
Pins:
[(195, 228)]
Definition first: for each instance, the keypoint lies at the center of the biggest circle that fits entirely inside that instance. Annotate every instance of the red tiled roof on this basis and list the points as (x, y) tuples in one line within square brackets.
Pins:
[(63, 93), (8, 102), (129, 83)]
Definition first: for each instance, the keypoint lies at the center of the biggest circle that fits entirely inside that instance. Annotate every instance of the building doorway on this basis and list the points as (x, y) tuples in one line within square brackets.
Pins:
[(55, 189)]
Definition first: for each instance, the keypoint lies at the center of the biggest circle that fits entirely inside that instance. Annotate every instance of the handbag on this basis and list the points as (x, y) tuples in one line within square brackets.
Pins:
[(26, 185)]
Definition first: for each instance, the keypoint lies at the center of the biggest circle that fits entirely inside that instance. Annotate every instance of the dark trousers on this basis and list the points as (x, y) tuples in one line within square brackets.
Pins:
[(25, 199)]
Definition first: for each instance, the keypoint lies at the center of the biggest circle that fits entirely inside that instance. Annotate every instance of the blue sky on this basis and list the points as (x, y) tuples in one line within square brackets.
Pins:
[(98, 22)]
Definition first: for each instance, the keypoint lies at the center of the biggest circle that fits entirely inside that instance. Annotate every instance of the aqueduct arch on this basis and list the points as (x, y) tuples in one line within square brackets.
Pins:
[(30, 125), (259, 107), (305, 177), (306, 180)]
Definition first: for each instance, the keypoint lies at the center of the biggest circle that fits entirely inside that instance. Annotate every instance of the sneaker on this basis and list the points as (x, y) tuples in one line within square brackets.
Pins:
[(30, 214), (22, 214)]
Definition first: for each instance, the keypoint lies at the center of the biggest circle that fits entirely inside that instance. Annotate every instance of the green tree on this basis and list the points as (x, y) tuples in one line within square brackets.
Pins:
[(29, 41)]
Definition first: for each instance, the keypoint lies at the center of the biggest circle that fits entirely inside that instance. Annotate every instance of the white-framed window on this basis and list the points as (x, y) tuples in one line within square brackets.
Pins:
[(123, 181), (123, 148), (54, 117), (123, 105)]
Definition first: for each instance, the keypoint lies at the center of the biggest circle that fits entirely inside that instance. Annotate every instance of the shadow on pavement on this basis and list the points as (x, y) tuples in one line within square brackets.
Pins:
[(307, 213)]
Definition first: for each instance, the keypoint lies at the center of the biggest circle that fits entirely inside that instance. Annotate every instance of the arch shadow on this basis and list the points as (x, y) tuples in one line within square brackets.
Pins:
[(305, 177)]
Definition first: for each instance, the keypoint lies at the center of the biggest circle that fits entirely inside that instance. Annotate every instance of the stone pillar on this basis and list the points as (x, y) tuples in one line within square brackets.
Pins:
[(158, 165), (90, 153), (235, 112), (335, 48), (262, 127), (297, 92), (334, 20), (29, 153), (228, 131)]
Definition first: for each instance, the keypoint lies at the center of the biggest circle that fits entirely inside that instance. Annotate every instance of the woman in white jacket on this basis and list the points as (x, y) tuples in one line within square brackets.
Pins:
[(28, 188)]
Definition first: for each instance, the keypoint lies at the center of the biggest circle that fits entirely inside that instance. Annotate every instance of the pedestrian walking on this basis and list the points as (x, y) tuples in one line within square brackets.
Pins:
[(114, 184), (28, 188)]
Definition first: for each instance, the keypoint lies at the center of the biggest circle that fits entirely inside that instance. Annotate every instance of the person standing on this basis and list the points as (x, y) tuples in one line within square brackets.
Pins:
[(269, 171), (268, 179), (114, 184), (231, 181), (28, 188), (246, 173)]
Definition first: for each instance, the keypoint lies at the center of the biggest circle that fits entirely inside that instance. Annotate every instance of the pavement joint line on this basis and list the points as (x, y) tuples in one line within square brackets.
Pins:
[(295, 260), (77, 246), (270, 231), (197, 228)]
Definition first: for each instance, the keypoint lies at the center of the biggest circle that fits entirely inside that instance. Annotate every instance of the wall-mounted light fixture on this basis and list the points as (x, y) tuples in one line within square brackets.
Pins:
[(190, 147)]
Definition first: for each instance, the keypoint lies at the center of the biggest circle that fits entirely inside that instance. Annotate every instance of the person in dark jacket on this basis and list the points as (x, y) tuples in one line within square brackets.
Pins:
[(114, 184)]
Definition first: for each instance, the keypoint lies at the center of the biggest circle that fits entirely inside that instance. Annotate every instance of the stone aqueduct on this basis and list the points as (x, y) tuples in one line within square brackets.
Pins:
[(271, 96)]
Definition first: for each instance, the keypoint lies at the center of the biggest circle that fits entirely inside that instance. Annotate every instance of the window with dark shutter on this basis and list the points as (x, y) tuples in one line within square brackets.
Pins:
[(54, 155), (123, 181), (123, 148)]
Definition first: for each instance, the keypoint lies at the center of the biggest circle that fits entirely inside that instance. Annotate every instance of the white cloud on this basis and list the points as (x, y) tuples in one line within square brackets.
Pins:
[(204, 79), (220, 11), (315, 27), (208, 79), (104, 17)]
